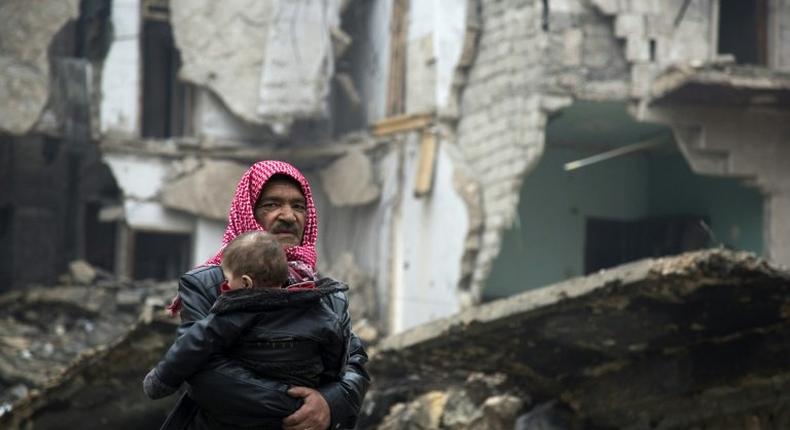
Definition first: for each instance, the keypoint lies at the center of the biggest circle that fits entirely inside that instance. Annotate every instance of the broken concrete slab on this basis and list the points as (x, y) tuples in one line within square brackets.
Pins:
[(643, 341), (207, 191), (227, 62), (349, 180), (25, 36), (274, 66), (81, 272), (725, 84)]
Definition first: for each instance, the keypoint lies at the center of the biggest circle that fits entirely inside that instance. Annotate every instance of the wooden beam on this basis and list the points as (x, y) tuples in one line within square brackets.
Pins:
[(402, 123), (425, 171)]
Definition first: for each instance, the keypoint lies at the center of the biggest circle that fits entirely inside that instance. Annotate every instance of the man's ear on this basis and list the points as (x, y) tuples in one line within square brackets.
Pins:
[(246, 281)]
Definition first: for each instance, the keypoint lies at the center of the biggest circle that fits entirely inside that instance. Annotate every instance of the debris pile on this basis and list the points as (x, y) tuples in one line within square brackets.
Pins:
[(49, 333)]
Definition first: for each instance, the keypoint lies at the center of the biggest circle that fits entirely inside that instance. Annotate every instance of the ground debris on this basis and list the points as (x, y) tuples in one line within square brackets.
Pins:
[(55, 340)]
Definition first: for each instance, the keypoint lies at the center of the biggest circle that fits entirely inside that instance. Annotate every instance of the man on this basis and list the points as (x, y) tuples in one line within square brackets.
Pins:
[(272, 196)]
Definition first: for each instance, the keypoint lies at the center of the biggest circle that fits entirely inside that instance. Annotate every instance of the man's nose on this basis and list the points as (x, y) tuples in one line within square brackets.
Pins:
[(287, 213)]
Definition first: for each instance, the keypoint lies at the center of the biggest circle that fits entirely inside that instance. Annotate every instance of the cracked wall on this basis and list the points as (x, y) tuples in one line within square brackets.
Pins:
[(530, 61), (25, 36), (269, 62), (524, 69)]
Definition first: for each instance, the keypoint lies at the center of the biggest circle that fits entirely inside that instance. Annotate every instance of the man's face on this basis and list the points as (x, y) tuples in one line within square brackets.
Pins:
[(281, 210)]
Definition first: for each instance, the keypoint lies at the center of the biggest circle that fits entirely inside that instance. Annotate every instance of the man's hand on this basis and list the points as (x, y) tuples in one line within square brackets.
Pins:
[(314, 413)]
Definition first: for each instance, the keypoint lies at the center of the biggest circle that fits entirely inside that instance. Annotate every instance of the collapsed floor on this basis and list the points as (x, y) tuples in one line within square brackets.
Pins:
[(700, 339)]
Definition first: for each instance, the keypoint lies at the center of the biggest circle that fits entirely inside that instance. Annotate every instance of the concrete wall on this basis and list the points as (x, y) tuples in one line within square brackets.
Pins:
[(751, 144), (363, 231), (412, 247), (435, 37), (206, 240), (26, 36), (369, 56), (270, 62), (735, 210), (213, 121), (780, 39), (121, 77), (429, 234), (140, 179), (547, 243)]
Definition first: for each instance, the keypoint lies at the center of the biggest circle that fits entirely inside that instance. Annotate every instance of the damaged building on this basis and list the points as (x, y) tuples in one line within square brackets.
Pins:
[(460, 151), (509, 143)]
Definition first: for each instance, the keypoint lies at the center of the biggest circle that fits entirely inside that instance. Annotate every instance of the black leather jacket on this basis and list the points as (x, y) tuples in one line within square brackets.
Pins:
[(228, 391)]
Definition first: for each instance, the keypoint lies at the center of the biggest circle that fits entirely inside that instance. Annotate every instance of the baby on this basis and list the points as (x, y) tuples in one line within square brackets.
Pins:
[(284, 336)]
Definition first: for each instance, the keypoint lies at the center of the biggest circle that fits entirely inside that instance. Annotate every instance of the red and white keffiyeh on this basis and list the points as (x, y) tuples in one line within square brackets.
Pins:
[(241, 219)]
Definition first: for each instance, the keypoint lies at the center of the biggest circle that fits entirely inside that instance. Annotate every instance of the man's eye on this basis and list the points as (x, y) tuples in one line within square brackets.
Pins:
[(268, 206), (300, 207)]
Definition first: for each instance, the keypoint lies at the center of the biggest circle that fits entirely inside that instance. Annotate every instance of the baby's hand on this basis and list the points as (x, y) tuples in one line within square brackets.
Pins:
[(154, 387)]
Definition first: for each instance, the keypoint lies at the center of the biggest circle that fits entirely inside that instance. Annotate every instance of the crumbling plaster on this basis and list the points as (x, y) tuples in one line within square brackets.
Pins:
[(529, 62), (523, 68), (270, 62), (642, 23), (435, 40), (140, 179), (25, 36)]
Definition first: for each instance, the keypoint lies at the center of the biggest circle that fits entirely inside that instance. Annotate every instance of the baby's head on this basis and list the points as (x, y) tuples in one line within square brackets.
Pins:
[(254, 259)]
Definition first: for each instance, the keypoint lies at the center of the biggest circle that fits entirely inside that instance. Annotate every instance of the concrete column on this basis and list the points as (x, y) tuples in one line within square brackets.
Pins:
[(777, 227)]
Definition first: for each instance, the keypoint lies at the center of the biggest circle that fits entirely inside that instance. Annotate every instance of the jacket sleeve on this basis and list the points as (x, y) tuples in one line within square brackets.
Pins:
[(201, 339), (345, 396)]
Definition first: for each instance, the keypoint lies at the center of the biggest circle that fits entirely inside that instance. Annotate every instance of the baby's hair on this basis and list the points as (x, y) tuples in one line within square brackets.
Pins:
[(258, 255)]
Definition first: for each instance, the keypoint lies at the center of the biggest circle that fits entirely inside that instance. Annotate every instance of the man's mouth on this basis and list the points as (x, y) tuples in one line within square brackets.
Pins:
[(284, 231)]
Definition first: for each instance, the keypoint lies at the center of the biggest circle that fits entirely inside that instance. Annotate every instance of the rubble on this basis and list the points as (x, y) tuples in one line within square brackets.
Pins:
[(646, 342), (102, 388), (46, 329), (81, 273)]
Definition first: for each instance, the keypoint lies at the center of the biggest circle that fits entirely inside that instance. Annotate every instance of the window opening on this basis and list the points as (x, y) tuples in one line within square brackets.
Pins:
[(743, 30)]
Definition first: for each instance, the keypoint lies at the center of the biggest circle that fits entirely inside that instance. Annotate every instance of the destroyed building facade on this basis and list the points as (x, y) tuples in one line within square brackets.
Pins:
[(460, 150)]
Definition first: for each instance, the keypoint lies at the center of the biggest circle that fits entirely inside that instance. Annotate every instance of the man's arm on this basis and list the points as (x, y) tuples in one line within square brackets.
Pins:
[(344, 397)]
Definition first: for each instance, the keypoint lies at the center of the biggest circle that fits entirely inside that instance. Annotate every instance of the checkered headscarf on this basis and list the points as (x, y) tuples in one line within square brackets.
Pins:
[(241, 219)]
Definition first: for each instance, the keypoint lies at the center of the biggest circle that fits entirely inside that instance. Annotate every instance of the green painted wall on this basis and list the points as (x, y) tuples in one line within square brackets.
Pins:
[(546, 244), (735, 210)]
